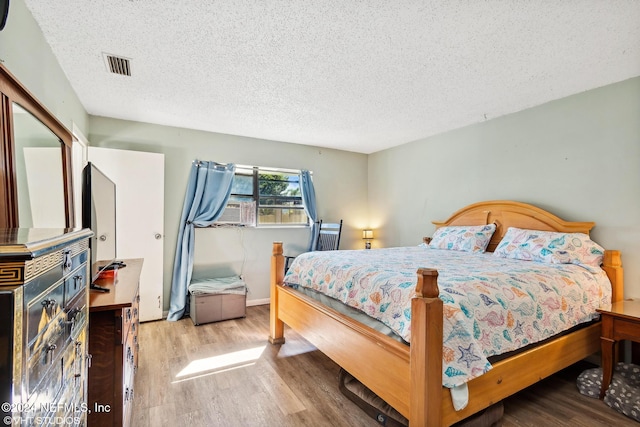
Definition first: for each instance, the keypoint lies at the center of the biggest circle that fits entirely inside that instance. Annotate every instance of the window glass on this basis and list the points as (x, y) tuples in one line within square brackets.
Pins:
[(280, 200), (274, 196), (242, 184)]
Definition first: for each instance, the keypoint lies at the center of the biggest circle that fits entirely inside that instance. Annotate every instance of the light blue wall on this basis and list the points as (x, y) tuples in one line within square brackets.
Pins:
[(340, 181), (577, 157), (26, 54)]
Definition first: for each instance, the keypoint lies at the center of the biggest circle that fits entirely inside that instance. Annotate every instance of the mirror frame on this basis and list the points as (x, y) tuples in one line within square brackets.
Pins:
[(11, 90)]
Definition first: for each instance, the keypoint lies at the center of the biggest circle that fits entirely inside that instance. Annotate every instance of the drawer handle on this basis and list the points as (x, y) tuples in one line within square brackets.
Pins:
[(66, 263), (51, 351), (72, 316), (49, 303), (49, 306), (77, 280)]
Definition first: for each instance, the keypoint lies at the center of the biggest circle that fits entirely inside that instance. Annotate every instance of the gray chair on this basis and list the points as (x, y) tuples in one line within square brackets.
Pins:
[(328, 239)]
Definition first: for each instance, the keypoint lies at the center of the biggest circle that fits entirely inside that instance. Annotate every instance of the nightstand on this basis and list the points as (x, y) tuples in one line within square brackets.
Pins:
[(620, 322)]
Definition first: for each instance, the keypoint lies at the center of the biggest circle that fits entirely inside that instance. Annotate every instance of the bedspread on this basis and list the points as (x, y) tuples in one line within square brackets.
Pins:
[(492, 305)]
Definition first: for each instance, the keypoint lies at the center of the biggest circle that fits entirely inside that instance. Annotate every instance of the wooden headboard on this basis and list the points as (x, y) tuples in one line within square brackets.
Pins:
[(506, 213)]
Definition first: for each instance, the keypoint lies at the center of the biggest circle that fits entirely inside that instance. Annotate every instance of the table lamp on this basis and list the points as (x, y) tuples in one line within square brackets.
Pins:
[(367, 235)]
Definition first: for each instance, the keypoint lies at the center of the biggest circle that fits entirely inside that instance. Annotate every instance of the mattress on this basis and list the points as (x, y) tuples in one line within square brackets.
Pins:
[(491, 305)]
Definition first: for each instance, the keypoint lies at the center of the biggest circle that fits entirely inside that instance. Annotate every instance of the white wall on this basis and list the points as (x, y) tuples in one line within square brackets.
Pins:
[(340, 181), (577, 157)]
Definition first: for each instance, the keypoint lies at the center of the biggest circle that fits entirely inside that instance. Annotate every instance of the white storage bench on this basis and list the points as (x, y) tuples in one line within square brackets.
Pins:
[(216, 299)]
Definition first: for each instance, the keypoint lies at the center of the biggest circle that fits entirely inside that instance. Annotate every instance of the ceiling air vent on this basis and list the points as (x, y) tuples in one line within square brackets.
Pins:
[(117, 64)]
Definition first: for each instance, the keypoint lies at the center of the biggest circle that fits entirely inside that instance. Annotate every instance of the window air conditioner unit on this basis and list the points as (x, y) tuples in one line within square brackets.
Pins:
[(238, 213)]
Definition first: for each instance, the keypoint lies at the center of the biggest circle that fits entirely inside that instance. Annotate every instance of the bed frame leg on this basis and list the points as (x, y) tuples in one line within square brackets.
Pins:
[(425, 407), (276, 326)]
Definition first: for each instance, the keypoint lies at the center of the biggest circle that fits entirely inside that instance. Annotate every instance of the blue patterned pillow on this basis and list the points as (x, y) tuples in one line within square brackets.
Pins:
[(469, 238), (550, 247)]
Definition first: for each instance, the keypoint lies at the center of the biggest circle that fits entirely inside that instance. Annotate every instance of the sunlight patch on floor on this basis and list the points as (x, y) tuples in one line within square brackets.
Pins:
[(221, 363), (219, 371)]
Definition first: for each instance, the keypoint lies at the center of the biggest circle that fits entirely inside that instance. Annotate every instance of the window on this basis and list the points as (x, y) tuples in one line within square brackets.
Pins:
[(275, 194)]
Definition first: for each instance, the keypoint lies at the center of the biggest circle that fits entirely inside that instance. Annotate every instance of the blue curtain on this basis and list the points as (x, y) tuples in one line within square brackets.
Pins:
[(309, 202), (207, 194)]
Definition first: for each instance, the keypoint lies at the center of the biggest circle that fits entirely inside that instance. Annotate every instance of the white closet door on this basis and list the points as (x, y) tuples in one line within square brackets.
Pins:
[(139, 179)]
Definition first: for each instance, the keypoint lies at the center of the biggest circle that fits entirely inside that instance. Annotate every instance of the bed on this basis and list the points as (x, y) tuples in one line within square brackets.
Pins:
[(410, 377)]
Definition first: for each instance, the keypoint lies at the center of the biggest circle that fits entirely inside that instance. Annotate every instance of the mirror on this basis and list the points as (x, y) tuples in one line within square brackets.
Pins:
[(35, 171), (39, 174)]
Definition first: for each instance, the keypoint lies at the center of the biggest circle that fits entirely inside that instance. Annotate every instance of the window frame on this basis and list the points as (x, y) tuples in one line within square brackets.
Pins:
[(254, 172)]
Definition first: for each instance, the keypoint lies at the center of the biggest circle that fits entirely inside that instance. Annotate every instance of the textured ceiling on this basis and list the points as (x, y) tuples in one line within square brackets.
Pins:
[(355, 75)]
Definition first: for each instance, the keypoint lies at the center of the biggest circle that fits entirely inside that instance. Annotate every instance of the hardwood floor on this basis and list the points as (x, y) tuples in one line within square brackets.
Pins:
[(227, 374)]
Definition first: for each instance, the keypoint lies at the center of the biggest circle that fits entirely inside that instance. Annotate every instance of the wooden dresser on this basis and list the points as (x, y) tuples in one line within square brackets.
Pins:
[(113, 328), (43, 326)]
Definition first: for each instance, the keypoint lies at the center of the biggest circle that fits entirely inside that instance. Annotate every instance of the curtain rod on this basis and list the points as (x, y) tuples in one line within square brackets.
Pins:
[(264, 168)]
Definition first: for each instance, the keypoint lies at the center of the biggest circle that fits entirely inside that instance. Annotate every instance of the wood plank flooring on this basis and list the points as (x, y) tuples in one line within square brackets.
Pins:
[(226, 374)]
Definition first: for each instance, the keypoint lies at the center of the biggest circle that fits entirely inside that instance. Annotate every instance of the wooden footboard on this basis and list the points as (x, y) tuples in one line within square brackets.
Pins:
[(409, 378), (355, 347)]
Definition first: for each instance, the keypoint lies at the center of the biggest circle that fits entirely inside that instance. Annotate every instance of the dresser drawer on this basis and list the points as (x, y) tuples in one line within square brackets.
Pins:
[(76, 281), (76, 315), (128, 375), (46, 355), (130, 319), (80, 362), (41, 311)]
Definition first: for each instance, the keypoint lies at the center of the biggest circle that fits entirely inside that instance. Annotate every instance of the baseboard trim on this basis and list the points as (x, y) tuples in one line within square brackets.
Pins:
[(262, 301)]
